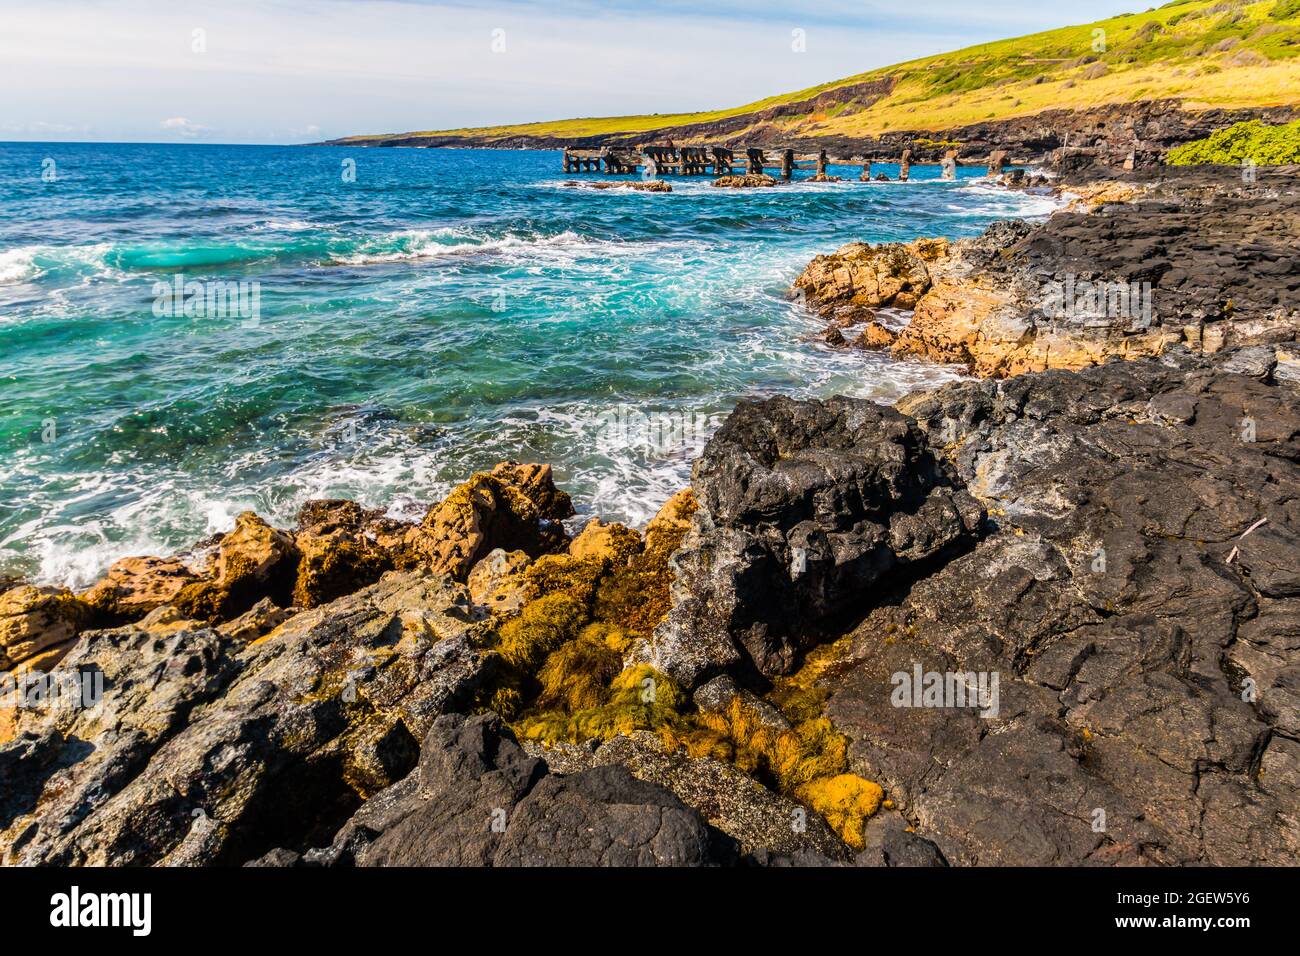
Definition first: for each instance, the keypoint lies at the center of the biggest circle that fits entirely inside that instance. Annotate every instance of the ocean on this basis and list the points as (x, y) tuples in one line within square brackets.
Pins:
[(188, 332)]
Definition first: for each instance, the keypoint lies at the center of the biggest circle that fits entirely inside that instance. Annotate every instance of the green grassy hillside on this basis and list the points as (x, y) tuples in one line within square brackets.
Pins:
[(1205, 53)]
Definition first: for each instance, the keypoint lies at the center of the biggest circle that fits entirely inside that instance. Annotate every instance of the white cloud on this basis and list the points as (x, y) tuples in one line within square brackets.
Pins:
[(179, 124)]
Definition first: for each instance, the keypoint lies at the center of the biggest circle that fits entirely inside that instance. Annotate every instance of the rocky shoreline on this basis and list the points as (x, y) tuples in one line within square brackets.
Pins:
[(1095, 542), (1196, 257)]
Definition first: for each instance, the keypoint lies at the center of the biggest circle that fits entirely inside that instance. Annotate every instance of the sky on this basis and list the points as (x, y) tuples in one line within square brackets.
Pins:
[(295, 71)]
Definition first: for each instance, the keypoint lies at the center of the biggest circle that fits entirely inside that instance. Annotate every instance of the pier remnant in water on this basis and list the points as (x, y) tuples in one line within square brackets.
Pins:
[(665, 159), (950, 165)]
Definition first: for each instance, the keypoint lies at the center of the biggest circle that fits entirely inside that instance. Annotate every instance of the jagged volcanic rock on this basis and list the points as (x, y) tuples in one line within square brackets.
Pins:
[(804, 509)]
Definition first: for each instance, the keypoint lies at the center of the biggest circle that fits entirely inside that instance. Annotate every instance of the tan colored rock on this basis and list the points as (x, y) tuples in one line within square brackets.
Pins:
[(614, 542), (747, 181), (35, 619), (132, 587), (537, 483), (253, 561), (334, 564), (858, 278), (497, 582), (514, 507), (875, 338), (648, 186), (258, 621), (981, 323), (667, 528), (1088, 196)]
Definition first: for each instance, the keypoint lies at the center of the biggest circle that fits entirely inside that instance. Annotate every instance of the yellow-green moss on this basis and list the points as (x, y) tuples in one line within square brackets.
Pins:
[(784, 758), (543, 626), (577, 676), (638, 698), (801, 695), (564, 574), (846, 801)]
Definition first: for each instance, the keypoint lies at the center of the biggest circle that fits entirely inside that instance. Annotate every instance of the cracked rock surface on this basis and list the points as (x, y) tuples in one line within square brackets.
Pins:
[(1137, 595)]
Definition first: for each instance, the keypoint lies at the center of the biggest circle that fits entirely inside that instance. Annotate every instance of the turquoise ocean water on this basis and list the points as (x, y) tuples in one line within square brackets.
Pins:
[(381, 336)]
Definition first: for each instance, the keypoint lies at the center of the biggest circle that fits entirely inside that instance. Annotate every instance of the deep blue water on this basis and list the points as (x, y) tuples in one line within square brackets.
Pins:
[(444, 311)]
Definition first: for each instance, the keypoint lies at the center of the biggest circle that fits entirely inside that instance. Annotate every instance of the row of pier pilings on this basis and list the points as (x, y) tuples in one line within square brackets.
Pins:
[(722, 161)]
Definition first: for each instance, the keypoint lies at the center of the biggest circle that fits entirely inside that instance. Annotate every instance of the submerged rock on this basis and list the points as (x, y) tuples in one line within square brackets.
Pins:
[(747, 181), (646, 186)]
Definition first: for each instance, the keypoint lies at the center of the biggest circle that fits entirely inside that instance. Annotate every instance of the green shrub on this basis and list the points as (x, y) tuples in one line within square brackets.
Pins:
[(1254, 140), (1285, 10)]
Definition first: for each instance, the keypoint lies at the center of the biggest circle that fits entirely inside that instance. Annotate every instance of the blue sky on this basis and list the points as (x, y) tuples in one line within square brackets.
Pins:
[(291, 71)]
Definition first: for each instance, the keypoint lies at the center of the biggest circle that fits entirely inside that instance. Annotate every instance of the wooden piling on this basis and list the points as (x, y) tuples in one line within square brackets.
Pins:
[(821, 163), (754, 166), (905, 166), (787, 163), (722, 160)]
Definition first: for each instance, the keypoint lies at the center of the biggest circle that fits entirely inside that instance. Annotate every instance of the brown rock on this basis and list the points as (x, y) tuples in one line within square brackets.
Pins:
[(874, 338), (497, 581), (859, 277), (537, 483), (614, 542), (34, 619), (667, 528), (258, 621), (650, 186), (323, 515), (747, 181), (515, 507), (254, 561), (335, 564), (133, 587)]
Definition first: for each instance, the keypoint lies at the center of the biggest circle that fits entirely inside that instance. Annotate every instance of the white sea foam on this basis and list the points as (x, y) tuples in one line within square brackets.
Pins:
[(415, 244), (17, 265)]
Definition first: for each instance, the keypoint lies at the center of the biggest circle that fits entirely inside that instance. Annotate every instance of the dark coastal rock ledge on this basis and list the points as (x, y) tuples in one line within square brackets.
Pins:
[(1195, 257)]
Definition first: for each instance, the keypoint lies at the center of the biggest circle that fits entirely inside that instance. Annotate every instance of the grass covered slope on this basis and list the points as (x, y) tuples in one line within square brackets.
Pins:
[(1205, 53)]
